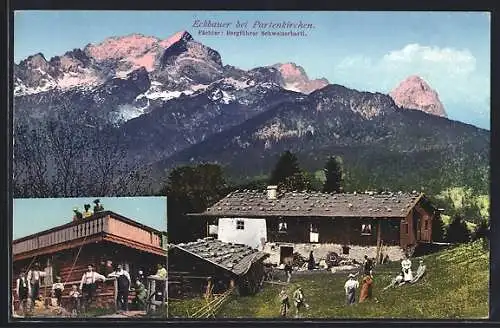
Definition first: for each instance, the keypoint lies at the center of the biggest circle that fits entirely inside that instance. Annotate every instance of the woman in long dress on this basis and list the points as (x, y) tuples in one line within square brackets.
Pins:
[(366, 287), (406, 269)]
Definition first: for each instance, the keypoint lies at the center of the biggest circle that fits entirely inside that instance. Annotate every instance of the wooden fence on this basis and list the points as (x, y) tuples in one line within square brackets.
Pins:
[(213, 305)]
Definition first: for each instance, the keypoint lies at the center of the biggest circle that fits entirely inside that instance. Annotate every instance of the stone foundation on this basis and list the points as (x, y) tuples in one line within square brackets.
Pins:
[(320, 251)]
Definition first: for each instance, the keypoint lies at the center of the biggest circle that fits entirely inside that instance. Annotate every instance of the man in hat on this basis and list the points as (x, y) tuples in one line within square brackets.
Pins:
[(23, 290), (78, 215), (87, 213), (299, 300), (367, 266), (88, 284), (123, 281), (350, 289), (34, 277), (98, 206), (285, 303)]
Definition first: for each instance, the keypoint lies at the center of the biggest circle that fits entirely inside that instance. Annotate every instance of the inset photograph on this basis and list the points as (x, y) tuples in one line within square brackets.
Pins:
[(89, 257)]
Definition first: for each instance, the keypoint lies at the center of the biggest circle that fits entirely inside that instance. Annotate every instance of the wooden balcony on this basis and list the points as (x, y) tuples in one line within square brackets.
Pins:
[(105, 225)]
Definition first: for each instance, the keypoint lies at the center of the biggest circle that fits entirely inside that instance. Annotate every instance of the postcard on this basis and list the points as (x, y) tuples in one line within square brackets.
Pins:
[(89, 258), (317, 164)]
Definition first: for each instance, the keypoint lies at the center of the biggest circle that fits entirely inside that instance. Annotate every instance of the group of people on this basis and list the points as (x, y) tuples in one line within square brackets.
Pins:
[(124, 286), (87, 210), (406, 275), (352, 284), (28, 287), (298, 300), (350, 287)]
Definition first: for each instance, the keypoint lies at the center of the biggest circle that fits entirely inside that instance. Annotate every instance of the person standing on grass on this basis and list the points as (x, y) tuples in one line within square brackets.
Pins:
[(57, 290), (88, 285), (350, 287), (367, 266), (123, 281), (23, 290), (285, 303), (299, 300), (366, 289)]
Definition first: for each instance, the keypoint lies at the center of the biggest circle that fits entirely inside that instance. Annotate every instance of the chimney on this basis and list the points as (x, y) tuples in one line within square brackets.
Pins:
[(271, 192)]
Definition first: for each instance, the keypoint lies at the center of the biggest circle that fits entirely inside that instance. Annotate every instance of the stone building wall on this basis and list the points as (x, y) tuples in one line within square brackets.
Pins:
[(320, 251)]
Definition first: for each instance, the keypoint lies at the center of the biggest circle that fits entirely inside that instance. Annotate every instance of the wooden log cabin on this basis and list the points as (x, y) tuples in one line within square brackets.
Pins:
[(354, 224), (67, 250), (209, 266)]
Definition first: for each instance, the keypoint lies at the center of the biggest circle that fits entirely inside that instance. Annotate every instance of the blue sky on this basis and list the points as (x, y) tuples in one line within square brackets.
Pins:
[(370, 51), (32, 215)]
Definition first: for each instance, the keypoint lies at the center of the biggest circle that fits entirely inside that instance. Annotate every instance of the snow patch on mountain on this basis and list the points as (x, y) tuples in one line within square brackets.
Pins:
[(20, 89), (156, 92), (238, 84), (85, 78), (292, 87), (127, 112)]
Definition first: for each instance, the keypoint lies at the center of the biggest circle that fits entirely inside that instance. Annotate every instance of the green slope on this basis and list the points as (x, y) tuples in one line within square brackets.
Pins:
[(455, 286)]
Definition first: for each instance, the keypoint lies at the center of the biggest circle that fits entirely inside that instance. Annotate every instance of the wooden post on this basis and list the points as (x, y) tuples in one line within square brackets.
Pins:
[(379, 236), (153, 294), (208, 293), (165, 291), (115, 293)]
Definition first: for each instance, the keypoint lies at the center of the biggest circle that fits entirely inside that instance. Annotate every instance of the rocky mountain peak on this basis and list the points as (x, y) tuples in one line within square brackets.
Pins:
[(296, 79), (183, 36), (415, 93), (116, 48), (35, 61)]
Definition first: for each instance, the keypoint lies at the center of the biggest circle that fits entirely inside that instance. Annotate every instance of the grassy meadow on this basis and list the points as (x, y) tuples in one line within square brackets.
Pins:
[(455, 286)]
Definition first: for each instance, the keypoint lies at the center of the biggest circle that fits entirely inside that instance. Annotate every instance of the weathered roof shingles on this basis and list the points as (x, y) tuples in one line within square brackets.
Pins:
[(250, 203), (236, 258)]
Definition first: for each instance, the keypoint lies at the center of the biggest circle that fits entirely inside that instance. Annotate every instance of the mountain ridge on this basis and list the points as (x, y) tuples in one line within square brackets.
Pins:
[(161, 99)]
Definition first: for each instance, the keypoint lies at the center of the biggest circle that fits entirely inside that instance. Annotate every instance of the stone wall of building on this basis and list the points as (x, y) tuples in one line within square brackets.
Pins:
[(395, 253)]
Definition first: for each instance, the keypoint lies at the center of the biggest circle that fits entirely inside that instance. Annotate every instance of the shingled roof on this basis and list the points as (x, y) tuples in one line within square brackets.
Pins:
[(236, 258), (252, 203)]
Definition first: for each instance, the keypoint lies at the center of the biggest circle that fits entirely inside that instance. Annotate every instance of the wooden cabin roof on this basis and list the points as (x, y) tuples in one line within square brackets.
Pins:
[(106, 226), (236, 258), (251, 203), (94, 216)]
